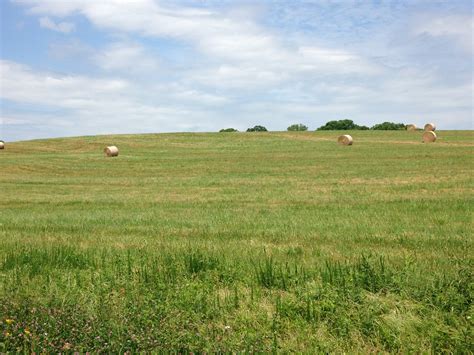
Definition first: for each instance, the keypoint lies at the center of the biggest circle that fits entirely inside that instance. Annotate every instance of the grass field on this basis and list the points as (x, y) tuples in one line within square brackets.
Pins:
[(238, 241)]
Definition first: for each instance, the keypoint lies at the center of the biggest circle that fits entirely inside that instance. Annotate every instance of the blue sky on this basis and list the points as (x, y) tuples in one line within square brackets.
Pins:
[(83, 67)]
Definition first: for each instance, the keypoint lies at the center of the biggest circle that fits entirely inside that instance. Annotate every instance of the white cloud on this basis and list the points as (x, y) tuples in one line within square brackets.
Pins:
[(72, 48), (53, 7), (89, 105), (20, 83), (64, 27), (214, 33), (128, 57), (15, 121), (197, 97), (459, 27)]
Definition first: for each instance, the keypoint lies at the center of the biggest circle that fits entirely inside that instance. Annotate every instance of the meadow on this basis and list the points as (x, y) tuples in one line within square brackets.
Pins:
[(259, 242)]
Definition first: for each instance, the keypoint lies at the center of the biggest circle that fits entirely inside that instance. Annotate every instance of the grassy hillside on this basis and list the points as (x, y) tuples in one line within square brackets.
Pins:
[(238, 241)]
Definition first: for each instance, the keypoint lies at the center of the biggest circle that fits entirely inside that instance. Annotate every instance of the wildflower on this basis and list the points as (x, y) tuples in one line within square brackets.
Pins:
[(27, 332), (9, 321), (7, 334)]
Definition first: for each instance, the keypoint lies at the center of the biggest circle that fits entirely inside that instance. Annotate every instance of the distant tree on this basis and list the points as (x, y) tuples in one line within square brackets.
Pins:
[(228, 130), (389, 126), (257, 129), (341, 125), (297, 127)]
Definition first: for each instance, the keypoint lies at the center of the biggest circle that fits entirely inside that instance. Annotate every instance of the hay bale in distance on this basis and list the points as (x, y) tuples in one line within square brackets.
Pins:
[(411, 127), (2, 145), (430, 127), (345, 139), (111, 151), (429, 137)]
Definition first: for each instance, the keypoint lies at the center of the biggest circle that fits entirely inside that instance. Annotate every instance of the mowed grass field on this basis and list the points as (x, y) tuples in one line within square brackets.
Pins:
[(238, 242)]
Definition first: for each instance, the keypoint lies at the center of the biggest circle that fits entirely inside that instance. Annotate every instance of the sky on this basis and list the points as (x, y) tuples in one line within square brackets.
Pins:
[(84, 67)]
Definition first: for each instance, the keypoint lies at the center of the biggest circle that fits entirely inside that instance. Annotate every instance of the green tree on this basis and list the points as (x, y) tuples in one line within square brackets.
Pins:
[(228, 130), (257, 129), (341, 125), (297, 127), (389, 126)]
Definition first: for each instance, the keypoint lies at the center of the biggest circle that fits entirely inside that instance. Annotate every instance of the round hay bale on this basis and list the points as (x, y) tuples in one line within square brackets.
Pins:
[(430, 127), (111, 151), (345, 139), (429, 137), (411, 127), (2, 145)]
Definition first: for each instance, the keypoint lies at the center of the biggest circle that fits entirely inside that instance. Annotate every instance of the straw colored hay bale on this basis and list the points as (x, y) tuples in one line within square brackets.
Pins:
[(430, 127), (411, 127), (111, 151), (345, 139), (429, 137), (2, 145)]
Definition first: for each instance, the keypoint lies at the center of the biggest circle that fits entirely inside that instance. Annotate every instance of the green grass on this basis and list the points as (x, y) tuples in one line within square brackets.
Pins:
[(238, 242)]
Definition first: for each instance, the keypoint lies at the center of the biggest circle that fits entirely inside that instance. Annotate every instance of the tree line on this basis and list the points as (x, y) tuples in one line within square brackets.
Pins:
[(336, 125)]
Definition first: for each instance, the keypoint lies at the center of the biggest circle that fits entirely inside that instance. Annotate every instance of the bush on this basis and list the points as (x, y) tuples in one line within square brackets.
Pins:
[(228, 130), (389, 126), (297, 127), (257, 129), (341, 125)]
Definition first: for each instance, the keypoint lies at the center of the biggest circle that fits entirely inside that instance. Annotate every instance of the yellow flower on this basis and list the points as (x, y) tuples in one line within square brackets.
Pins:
[(27, 332), (7, 334), (9, 321)]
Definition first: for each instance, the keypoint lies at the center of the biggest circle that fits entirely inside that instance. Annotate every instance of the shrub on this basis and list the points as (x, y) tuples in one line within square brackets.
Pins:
[(389, 126), (257, 129), (341, 125), (228, 130), (297, 127)]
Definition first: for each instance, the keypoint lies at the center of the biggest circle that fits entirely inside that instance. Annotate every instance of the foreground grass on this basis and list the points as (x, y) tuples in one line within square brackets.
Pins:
[(250, 242)]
